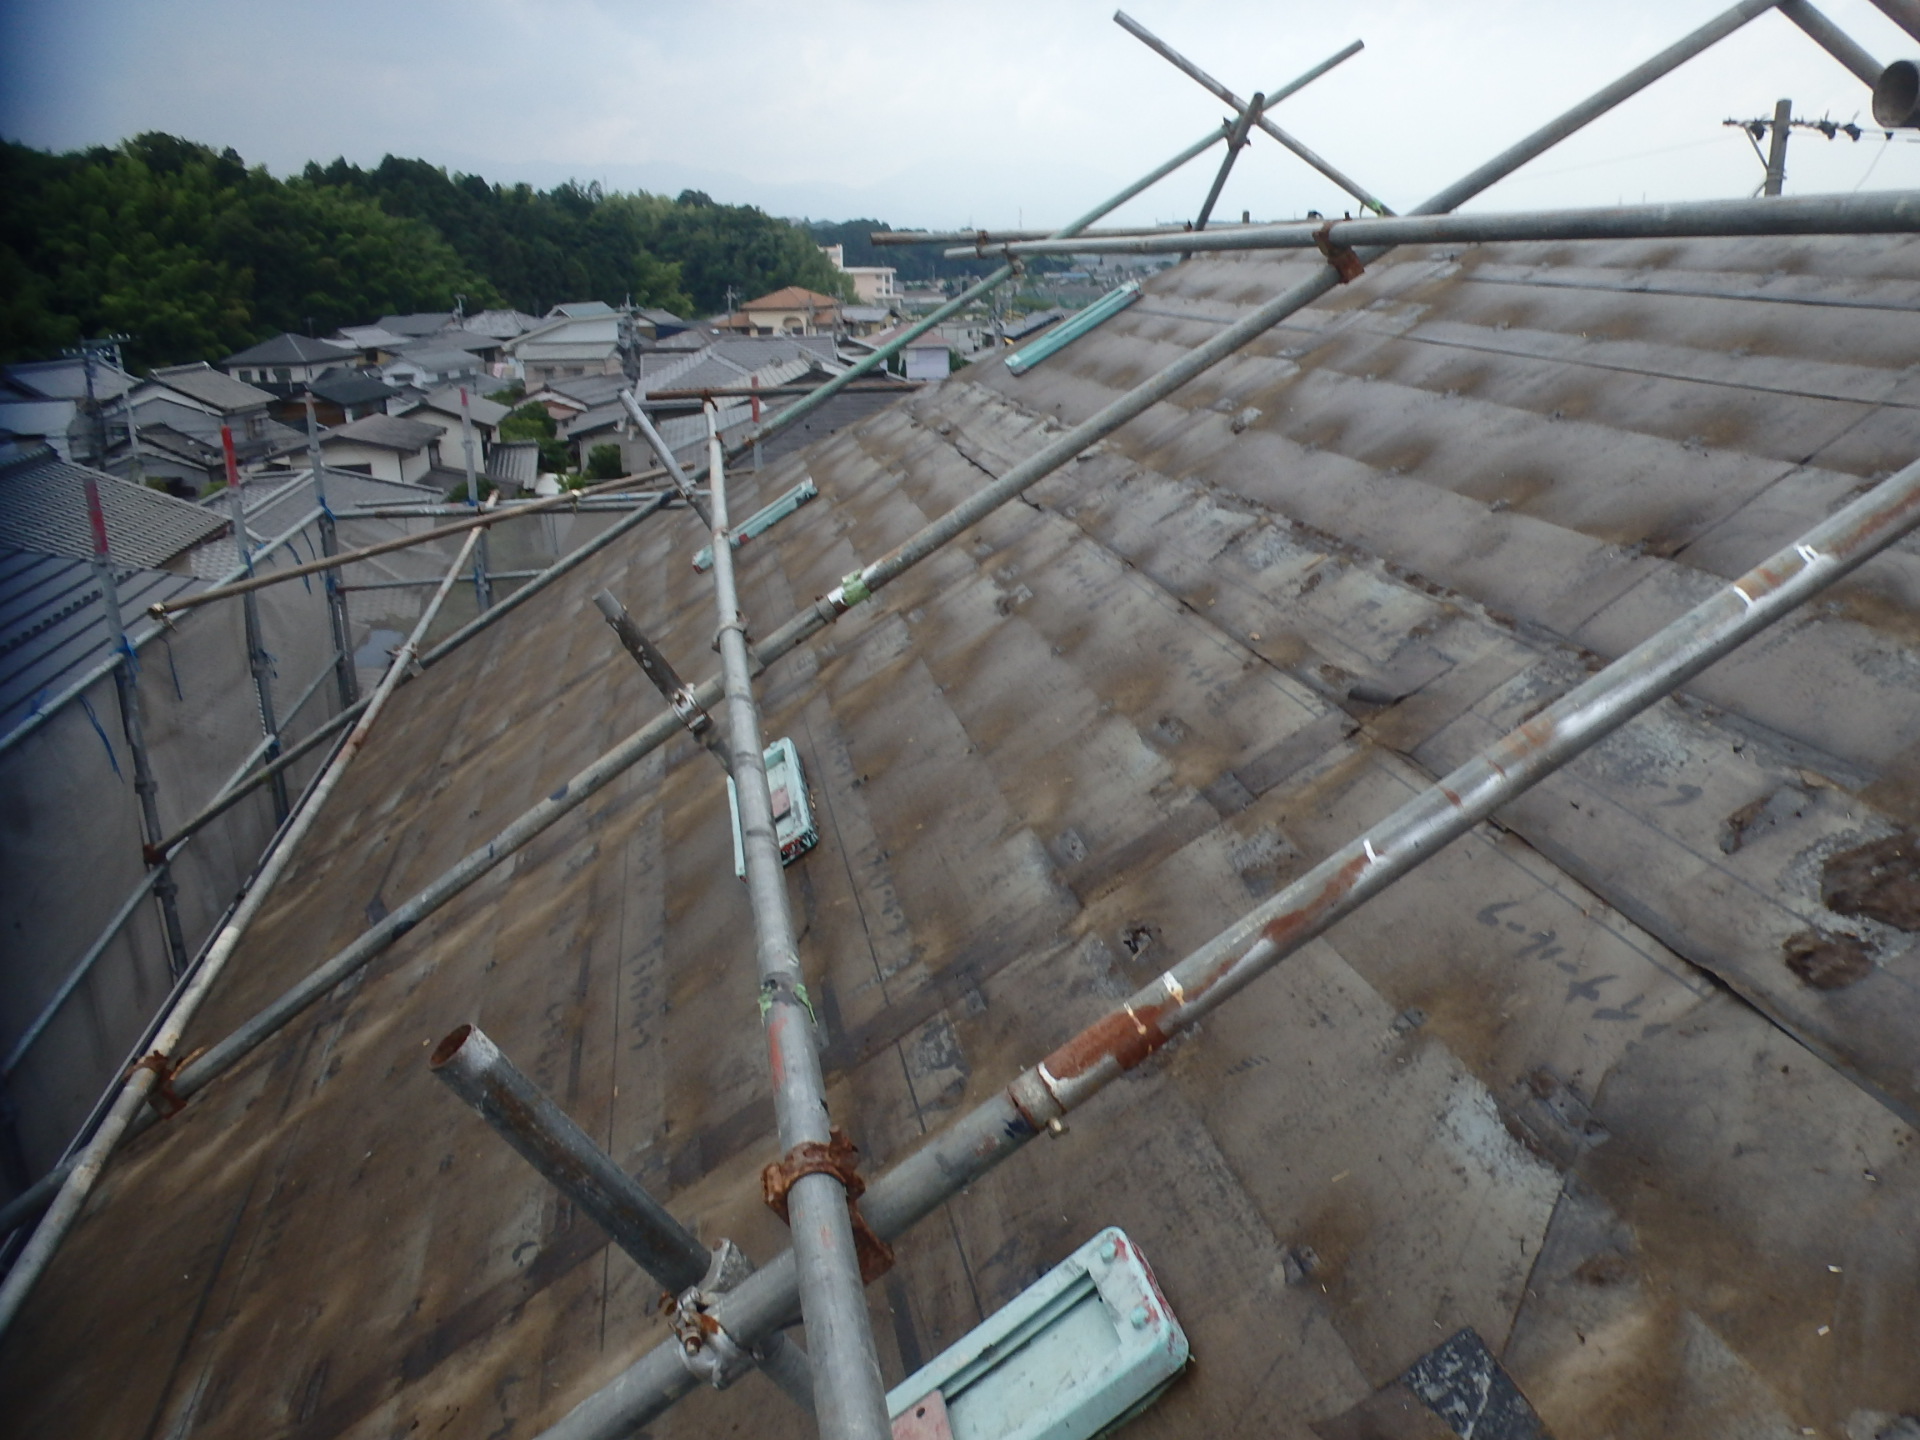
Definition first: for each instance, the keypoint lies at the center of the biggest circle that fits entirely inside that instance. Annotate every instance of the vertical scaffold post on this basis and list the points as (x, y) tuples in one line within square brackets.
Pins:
[(348, 678), (126, 682), (848, 1394), (257, 659), (482, 584)]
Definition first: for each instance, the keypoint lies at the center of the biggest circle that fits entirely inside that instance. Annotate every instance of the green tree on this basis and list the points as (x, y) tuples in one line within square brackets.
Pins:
[(604, 463)]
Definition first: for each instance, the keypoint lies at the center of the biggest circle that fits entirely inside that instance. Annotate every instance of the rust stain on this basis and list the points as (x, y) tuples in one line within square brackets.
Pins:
[(1126, 1037), (1285, 927)]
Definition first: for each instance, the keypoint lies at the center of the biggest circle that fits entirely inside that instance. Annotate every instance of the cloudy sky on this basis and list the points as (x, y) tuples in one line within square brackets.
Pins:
[(995, 112)]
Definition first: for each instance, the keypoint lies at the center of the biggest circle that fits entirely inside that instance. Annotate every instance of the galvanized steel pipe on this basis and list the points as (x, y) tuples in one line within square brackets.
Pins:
[(862, 583), (1076, 1071), (849, 1396), (1835, 41), (1889, 212), (1226, 97), (141, 1081)]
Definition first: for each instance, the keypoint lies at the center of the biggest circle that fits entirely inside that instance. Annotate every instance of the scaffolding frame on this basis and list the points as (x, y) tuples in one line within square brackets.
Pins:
[(820, 1278)]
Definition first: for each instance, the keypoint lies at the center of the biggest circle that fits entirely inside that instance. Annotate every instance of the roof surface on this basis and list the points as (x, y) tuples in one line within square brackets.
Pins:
[(389, 432), (53, 624), (289, 349), (350, 387), (422, 323), (434, 360), (67, 379), (43, 508), (1559, 1084), (792, 297), (211, 387)]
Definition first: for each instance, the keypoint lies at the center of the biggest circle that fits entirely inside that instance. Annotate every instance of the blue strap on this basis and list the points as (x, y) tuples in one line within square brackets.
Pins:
[(112, 759)]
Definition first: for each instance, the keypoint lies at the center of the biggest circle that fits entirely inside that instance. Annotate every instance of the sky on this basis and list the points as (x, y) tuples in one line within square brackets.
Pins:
[(991, 113)]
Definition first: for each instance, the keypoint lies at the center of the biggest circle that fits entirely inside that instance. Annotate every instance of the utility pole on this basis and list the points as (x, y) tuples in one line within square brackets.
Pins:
[(1777, 148)]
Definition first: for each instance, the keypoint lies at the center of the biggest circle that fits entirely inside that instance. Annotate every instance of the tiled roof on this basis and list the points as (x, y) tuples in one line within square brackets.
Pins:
[(388, 432), (212, 387), (793, 297), (43, 507), (289, 349)]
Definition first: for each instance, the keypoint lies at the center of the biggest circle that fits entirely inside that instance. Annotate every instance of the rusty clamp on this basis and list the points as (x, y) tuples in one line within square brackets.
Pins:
[(838, 1158), (166, 1102), (706, 1349), (1346, 264)]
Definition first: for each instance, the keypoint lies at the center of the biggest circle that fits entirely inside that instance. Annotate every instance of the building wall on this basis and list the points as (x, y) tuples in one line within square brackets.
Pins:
[(383, 464), (873, 283)]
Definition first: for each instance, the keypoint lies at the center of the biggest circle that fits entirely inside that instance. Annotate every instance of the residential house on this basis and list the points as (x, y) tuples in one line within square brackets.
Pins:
[(580, 338), (864, 319), (791, 310), (872, 284), (565, 399), (386, 447), (343, 395), (190, 403), (441, 409), (287, 363), (501, 324), (653, 324), (46, 402), (419, 325), (429, 369), (730, 363), (376, 344), (928, 358)]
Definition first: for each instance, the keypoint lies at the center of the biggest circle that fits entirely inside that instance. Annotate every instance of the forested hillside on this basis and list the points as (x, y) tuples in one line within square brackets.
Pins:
[(194, 255)]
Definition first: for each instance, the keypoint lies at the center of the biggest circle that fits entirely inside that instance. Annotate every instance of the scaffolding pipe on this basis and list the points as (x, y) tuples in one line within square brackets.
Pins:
[(849, 1396), (348, 679), (117, 658), (664, 452), (1887, 212), (657, 668), (433, 510), (863, 583), (995, 237), (143, 1079), (808, 404), (1039, 1098), (257, 661), (76, 975), (1226, 97), (549, 1140), (1904, 13), (240, 788), (347, 557), (126, 685), (1236, 142), (1835, 41), (482, 586)]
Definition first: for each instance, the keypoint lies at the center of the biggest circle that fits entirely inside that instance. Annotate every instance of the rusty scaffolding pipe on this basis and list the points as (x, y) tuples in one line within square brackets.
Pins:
[(1073, 1073), (863, 583), (549, 1140), (156, 1072), (849, 1397)]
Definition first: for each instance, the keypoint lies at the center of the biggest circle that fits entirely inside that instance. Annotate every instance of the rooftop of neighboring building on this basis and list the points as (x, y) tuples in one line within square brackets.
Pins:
[(290, 349), (792, 297), (386, 432), (43, 507), (212, 387)]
